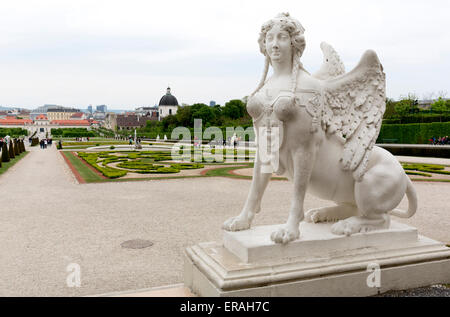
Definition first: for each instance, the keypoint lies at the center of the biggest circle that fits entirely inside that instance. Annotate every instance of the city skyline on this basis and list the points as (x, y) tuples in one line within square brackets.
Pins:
[(79, 53)]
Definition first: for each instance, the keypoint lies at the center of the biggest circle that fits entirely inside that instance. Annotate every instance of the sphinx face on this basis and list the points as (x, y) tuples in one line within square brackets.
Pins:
[(278, 44)]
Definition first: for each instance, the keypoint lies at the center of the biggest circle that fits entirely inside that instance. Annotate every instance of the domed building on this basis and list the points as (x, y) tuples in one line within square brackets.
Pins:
[(167, 105)]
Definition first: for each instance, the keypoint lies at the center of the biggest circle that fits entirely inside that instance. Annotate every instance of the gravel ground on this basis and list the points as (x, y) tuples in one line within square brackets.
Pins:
[(431, 291), (49, 221)]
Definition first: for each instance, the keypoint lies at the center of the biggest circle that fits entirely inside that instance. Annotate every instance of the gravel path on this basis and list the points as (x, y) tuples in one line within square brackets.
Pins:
[(48, 221)]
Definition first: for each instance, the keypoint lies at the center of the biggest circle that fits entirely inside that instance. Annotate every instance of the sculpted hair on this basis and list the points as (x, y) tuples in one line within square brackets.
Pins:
[(296, 31)]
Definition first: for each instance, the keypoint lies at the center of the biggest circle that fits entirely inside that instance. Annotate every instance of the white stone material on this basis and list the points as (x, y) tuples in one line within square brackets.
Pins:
[(316, 240), (319, 131), (322, 264)]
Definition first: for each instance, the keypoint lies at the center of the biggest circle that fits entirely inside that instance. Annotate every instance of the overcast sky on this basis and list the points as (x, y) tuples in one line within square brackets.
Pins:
[(125, 53)]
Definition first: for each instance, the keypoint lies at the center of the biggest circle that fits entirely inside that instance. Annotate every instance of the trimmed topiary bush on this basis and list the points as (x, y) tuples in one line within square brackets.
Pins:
[(11, 150), (428, 168), (166, 170), (418, 173), (139, 165), (185, 166), (34, 141), (5, 153), (16, 148), (110, 172)]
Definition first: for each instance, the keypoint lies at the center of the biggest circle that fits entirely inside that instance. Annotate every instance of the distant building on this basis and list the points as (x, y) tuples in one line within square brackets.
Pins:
[(99, 116), (101, 108), (89, 108), (212, 103), (42, 125), (61, 113), (78, 116), (24, 114), (111, 121), (43, 110), (132, 121), (168, 105), (146, 111), (426, 104)]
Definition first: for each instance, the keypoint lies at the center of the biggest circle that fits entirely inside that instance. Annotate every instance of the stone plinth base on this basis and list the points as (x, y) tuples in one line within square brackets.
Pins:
[(318, 264)]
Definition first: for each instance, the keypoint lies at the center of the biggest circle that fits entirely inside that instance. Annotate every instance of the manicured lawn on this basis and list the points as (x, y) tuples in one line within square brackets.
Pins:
[(85, 172), (7, 165), (92, 143), (224, 171), (90, 176)]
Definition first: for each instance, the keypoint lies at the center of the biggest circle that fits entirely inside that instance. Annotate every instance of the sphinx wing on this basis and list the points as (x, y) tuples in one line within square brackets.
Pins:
[(332, 65), (353, 108)]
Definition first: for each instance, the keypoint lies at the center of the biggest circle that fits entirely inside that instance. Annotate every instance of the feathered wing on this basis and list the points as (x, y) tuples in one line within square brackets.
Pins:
[(332, 65), (353, 108)]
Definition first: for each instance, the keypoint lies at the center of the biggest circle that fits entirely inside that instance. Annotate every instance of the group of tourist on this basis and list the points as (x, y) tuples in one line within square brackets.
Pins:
[(445, 140), (82, 139), (44, 142)]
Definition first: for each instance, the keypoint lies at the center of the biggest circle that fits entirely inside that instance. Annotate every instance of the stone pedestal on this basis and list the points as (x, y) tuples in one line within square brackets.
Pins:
[(320, 263)]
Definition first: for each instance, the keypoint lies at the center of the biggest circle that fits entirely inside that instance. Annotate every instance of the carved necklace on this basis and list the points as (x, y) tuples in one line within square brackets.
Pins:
[(268, 107)]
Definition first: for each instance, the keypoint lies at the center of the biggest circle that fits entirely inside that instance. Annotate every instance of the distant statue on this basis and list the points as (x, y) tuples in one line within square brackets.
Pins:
[(319, 131)]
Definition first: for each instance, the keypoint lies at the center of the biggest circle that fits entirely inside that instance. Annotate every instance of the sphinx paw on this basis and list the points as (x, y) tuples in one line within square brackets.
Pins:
[(353, 225), (236, 224), (345, 227), (285, 235), (315, 215)]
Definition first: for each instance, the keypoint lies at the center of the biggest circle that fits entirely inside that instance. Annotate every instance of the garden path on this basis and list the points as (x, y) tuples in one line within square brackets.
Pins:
[(48, 221)]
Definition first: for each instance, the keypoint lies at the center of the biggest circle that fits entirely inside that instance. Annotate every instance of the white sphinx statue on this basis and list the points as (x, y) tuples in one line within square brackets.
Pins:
[(319, 131)]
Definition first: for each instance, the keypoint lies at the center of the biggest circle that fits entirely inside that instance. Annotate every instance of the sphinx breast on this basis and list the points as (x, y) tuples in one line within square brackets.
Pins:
[(284, 107), (254, 108)]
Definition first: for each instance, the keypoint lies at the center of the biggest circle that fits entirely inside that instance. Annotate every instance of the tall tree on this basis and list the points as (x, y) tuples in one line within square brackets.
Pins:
[(234, 109), (440, 105)]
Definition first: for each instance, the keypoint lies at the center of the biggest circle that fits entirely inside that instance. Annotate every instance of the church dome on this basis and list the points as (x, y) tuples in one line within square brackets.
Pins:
[(168, 99)]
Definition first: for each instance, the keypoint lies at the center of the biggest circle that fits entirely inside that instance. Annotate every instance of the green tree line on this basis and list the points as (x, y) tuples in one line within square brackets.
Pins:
[(406, 110), (233, 114)]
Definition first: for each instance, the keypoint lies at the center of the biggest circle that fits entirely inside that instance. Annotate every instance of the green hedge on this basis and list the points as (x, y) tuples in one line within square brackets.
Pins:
[(418, 118), (12, 132), (91, 158), (73, 133), (428, 168), (414, 133), (431, 151)]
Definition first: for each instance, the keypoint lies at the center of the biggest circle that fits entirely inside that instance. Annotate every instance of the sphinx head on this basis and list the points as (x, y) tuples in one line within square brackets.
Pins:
[(291, 26), (286, 26)]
